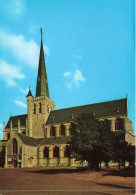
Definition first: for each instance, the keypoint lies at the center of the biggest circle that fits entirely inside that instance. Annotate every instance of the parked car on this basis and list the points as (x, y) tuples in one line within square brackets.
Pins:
[(83, 166)]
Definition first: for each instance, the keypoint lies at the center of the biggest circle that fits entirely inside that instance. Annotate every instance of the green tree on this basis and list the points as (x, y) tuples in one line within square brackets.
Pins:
[(131, 155), (91, 140), (122, 150)]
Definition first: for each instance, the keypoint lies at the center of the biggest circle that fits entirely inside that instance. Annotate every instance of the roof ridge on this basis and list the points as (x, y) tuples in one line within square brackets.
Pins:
[(26, 135), (18, 115), (42, 140), (101, 109), (130, 133), (26, 139), (88, 104)]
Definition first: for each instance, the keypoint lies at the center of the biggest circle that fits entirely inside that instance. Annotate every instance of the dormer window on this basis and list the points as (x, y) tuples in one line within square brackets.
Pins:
[(117, 109), (72, 116), (93, 113)]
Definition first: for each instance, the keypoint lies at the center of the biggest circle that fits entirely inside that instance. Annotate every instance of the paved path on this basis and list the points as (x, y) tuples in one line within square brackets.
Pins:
[(65, 181)]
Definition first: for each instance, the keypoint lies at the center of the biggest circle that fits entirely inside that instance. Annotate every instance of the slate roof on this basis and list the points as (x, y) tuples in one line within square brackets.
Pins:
[(15, 120), (30, 140), (55, 140), (103, 109), (29, 93)]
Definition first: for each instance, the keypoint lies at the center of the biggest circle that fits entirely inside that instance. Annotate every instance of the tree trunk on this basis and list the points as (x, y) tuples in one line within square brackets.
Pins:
[(124, 164), (119, 165), (97, 166), (89, 167), (100, 165)]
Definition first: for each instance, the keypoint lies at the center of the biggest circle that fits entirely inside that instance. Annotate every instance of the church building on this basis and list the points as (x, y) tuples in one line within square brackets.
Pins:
[(40, 137)]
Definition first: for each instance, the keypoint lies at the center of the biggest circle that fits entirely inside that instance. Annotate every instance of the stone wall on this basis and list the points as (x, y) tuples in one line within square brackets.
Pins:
[(54, 161), (38, 115), (29, 156)]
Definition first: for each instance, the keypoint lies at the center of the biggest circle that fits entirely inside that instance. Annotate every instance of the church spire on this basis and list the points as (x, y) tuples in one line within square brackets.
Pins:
[(42, 83)]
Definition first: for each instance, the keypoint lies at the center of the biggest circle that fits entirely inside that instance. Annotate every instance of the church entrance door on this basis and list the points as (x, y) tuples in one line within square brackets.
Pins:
[(14, 162)]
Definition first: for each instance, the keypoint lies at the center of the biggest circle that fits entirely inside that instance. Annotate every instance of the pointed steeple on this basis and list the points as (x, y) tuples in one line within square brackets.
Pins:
[(42, 83), (29, 92)]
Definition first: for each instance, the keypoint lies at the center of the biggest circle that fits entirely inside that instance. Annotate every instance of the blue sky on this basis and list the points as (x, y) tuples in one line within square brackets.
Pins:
[(89, 51)]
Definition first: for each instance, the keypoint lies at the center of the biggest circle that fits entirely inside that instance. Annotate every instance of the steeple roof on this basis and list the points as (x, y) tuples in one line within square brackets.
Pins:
[(42, 83), (29, 93)]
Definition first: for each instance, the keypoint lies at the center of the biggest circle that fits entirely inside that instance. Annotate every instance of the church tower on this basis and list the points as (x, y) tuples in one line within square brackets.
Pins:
[(39, 107)]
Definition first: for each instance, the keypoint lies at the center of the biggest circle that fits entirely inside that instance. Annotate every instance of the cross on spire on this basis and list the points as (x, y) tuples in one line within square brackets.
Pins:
[(41, 32)]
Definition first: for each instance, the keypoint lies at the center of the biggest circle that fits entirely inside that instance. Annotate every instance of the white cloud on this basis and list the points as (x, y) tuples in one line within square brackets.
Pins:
[(10, 73), (78, 77), (20, 103), (73, 79), (26, 51), (67, 74), (25, 91)]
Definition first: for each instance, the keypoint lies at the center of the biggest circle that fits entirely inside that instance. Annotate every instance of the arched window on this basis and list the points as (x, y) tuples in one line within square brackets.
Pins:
[(40, 107), (119, 124), (67, 151), (34, 109), (14, 144), (46, 152), (8, 136), (71, 127), (108, 124), (20, 152), (56, 152), (52, 131), (62, 130)]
